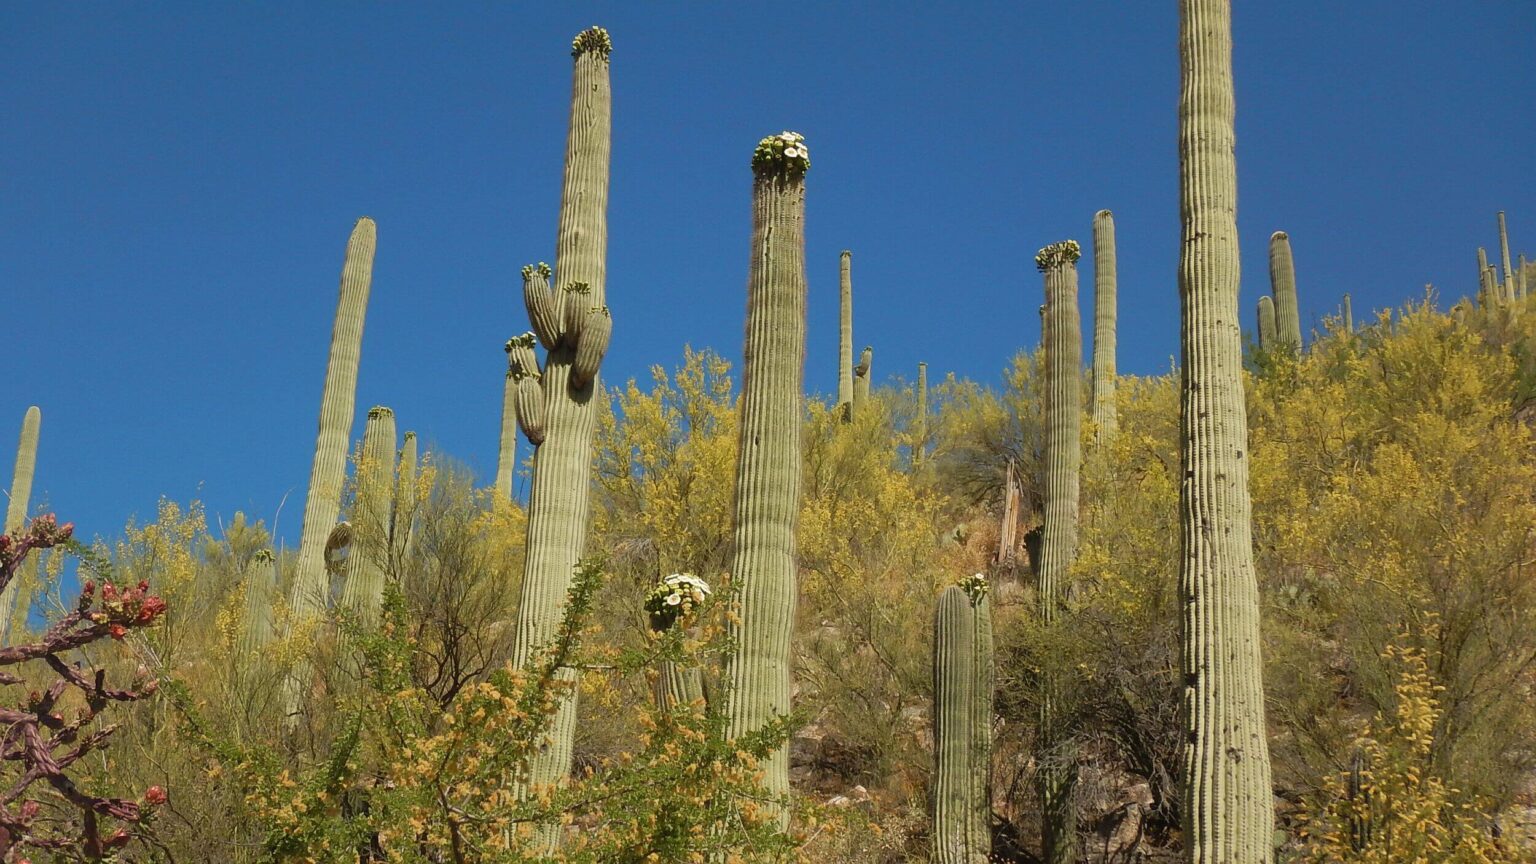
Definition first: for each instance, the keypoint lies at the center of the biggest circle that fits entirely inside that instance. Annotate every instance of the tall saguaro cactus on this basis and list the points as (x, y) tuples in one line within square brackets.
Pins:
[(861, 376), (16, 508), (954, 717), (1267, 323), (308, 595), (402, 522), (261, 583), (920, 440), (768, 457), (1509, 274), (982, 691), (363, 593), (845, 332), (1228, 811), (1282, 280), (563, 396), (1063, 459), (506, 458), (1347, 311), (1105, 287)]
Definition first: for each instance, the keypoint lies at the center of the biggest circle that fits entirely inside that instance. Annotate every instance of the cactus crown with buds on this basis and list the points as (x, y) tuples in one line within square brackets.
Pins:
[(975, 587), (1058, 254), (594, 40), (526, 340), (380, 411), (541, 267), (784, 153)]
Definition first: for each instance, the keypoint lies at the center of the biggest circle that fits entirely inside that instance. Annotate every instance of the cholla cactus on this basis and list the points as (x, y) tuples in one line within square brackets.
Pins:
[(557, 406), (1228, 805), (768, 458)]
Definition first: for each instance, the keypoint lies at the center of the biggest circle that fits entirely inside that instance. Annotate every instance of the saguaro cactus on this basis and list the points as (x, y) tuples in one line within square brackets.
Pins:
[(1348, 312), (1105, 418), (845, 332), (1509, 275), (767, 497), (861, 376), (1488, 287), (310, 591), (16, 509), (1063, 459), (506, 457), (673, 603), (1520, 279), (1228, 811), (402, 522), (1267, 323), (962, 725), (261, 583), (1282, 280), (566, 408), (363, 593), (920, 440)]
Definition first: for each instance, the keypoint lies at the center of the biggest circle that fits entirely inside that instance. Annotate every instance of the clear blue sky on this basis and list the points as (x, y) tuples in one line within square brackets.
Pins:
[(179, 181)]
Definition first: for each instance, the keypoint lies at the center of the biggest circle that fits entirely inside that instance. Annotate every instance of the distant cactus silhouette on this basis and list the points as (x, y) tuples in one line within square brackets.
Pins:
[(845, 332), (1282, 280)]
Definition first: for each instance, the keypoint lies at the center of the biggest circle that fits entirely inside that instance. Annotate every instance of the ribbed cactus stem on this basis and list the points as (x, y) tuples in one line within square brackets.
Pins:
[(1282, 280), (1063, 459), (363, 593), (402, 531), (1488, 288), (1520, 277), (1228, 812), (920, 440), (16, 512), (861, 376), (954, 718), (767, 497), (591, 346), (1509, 273), (506, 456), (256, 634), (311, 585), (1105, 419), (678, 684), (558, 500), (845, 331), (1348, 312), (1267, 323), (1485, 297), (982, 690)]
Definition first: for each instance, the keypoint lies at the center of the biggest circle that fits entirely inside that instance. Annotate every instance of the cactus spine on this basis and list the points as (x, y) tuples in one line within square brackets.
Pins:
[(1282, 281), (506, 458), (954, 717), (861, 375), (308, 596), (1228, 811), (767, 495), (558, 500), (845, 332), (1104, 291), (1063, 458), (16, 510), (1509, 276), (363, 593), (920, 443), (1266, 323)]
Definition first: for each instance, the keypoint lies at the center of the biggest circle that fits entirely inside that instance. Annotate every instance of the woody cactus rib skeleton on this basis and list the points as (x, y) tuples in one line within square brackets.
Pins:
[(1282, 280), (557, 407), (16, 511), (767, 496), (1105, 286), (1228, 811), (307, 597), (1063, 459)]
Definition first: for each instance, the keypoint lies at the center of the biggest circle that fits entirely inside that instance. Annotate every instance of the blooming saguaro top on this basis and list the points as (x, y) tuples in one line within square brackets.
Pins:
[(1058, 255), (782, 154), (541, 267), (593, 40), (380, 411), (975, 587), (675, 599)]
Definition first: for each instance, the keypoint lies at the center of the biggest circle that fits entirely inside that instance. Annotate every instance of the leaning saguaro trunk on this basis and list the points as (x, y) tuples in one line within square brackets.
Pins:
[(1104, 289), (845, 333), (768, 456), (1282, 280), (308, 595), (1228, 811), (1063, 458), (16, 510), (560, 402)]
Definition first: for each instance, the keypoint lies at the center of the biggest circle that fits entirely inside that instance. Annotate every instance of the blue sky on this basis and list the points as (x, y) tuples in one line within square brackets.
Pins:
[(180, 180)]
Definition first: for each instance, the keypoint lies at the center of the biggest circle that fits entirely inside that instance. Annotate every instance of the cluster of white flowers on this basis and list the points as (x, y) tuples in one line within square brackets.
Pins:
[(674, 599), (786, 151), (975, 586), (1057, 254)]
